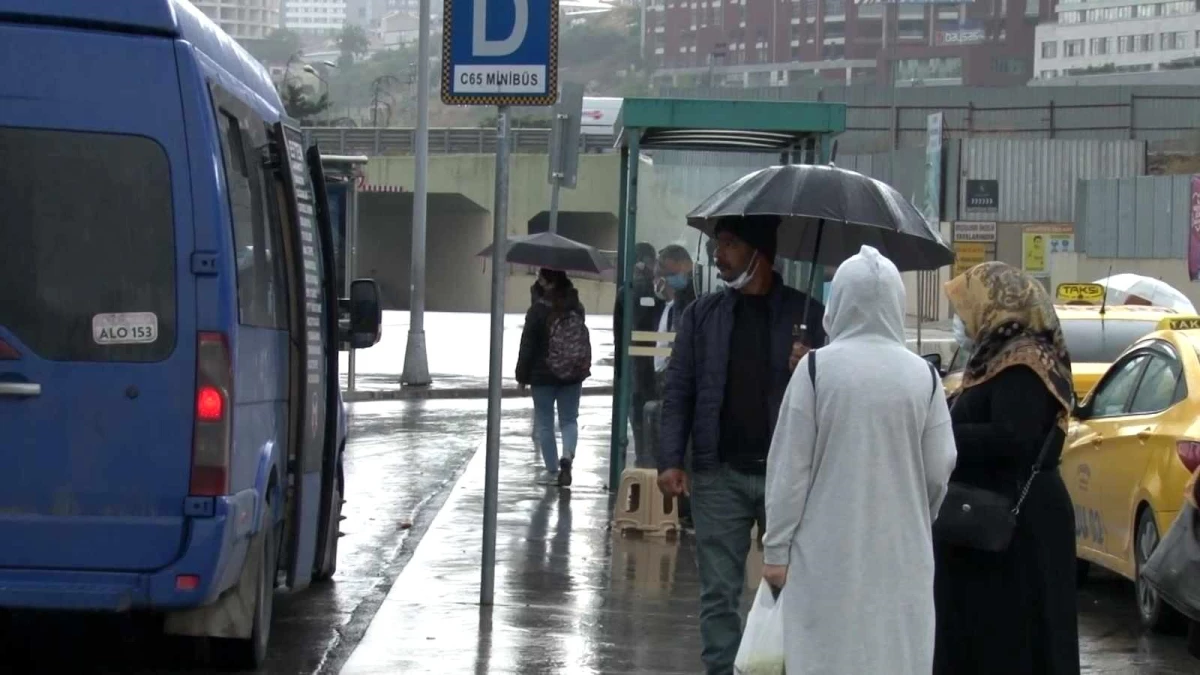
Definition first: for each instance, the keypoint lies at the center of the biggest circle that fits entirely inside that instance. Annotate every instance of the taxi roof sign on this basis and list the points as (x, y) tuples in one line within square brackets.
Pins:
[(1080, 294), (1180, 323)]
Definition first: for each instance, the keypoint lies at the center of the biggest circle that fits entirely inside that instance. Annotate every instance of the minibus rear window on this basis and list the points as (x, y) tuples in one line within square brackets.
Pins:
[(87, 245)]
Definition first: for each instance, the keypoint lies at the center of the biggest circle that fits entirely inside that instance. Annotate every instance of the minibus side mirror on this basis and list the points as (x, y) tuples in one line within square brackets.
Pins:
[(935, 360), (365, 324)]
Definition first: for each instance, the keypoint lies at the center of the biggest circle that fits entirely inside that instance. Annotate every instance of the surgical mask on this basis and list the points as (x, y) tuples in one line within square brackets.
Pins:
[(960, 334), (679, 281), (744, 278)]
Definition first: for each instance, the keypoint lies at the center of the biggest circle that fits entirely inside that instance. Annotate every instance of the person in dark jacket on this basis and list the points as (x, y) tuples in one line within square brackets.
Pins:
[(559, 299), (1013, 611), (646, 309), (733, 356)]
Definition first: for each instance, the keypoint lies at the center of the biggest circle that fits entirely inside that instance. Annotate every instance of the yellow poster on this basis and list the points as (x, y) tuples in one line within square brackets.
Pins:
[(968, 254), (1039, 241)]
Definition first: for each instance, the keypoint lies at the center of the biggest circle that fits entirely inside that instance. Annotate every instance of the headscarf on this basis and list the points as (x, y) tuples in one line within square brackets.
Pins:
[(1010, 317)]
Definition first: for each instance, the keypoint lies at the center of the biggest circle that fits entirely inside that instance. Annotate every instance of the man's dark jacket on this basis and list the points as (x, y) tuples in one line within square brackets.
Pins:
[(647, 309), (699, 367)]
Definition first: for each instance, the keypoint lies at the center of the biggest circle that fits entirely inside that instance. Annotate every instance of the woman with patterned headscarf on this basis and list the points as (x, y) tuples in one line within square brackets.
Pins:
[(1013, 611)]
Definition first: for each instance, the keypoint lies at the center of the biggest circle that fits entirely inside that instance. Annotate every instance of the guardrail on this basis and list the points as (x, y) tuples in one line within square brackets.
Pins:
[(442, 141)]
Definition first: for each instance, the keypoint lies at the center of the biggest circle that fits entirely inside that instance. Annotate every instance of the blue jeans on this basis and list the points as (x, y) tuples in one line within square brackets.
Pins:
[(725, 506), (544, 399)]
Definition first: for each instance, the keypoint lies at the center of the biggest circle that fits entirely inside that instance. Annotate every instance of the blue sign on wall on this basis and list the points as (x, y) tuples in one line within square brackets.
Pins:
[(500, 52)]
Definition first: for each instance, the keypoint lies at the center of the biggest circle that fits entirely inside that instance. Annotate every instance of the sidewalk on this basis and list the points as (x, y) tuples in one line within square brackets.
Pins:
[(570, 597)]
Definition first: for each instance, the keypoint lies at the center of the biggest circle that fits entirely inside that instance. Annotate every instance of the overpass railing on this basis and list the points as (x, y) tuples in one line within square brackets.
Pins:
[(452, 140)]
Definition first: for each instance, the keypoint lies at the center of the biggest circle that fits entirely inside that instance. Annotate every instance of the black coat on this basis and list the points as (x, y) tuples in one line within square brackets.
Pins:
[(1011, 612), (535, 341), (647, 309), (696, 375)]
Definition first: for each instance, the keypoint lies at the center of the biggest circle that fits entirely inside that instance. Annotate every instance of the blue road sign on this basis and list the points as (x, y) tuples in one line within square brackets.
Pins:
[(500, 52)]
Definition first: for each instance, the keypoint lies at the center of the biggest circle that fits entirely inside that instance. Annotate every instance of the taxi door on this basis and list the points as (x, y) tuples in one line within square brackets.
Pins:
[(1098, 450)]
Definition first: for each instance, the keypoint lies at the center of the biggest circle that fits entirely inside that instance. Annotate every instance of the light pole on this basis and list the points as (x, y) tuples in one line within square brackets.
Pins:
[(416, 359)]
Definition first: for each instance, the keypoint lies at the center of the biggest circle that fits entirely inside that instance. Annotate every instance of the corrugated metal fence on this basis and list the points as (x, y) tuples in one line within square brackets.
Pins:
[(879, 118), (1143, 217), (458, 141)]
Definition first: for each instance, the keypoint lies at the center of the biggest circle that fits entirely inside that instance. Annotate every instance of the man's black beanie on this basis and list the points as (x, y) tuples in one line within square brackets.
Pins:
[(760, 232)]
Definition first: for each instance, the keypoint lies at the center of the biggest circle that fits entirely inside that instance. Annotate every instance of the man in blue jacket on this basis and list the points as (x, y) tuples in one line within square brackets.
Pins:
[(733, 357)]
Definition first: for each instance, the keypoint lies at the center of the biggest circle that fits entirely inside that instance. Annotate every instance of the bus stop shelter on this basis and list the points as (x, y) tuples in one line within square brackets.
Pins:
[(783, 131)]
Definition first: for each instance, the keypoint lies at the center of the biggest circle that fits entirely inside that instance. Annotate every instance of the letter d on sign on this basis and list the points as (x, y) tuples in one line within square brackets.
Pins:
[(482, 46)]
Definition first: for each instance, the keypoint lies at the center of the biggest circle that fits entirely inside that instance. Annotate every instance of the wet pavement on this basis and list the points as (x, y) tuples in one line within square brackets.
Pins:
[(571, 597), (401, 460)]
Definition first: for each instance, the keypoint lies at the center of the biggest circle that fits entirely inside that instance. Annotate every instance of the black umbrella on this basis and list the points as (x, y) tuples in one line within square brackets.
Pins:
[(828, 214), (553, 251)]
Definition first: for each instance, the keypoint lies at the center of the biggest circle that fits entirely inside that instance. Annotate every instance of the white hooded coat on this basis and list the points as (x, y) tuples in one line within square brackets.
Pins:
[(851, 494)]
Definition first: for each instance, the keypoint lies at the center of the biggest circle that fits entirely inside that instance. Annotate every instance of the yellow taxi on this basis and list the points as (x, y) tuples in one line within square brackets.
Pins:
[(1132, 447), (1096, 334)]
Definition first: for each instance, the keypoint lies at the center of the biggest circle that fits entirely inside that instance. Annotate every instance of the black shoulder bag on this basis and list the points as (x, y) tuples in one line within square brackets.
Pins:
[(974, 517)]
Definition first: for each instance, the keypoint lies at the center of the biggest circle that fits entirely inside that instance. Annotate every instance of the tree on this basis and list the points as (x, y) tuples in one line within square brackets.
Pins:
[(354, 43), (278, 47), (298, 104)]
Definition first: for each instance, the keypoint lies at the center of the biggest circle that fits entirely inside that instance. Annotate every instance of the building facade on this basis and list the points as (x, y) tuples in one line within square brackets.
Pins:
[(243, 19), (1132, 36), (775, 42), (315, 17)]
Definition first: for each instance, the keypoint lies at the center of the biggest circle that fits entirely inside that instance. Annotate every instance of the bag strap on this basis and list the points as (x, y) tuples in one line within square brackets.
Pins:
[(1037, 466), (937, 380)]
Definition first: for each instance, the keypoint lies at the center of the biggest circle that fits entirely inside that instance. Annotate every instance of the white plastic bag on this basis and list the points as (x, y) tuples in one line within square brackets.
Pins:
[(761, 651)]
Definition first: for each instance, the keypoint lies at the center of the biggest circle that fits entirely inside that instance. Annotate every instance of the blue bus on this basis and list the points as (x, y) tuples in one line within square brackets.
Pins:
[(171, 423)]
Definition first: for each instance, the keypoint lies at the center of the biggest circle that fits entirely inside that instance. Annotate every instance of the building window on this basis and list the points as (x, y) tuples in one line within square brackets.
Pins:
[(1147, 11), (927, 69), (1070, 17), (1072, 48), (1049, 50), (1144, 42), (1174, 40), (1100, 46), (1047, 74), (1178, 7), (1010, 66)]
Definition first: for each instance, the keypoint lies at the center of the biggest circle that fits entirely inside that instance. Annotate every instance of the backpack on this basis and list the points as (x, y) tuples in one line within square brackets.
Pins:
[(569, 353)]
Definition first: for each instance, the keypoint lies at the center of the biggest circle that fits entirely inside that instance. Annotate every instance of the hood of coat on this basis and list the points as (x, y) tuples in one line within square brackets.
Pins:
[(866, 298)]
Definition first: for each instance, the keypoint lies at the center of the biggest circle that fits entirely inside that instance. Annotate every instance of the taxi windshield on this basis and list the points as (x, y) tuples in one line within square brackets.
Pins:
[(1097, 341)]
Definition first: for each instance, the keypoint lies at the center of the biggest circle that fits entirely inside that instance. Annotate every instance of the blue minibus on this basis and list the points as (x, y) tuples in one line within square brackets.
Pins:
[(171, 423)]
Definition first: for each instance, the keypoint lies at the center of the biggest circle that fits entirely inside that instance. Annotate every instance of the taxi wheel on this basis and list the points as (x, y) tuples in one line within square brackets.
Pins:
[(1155, 614)]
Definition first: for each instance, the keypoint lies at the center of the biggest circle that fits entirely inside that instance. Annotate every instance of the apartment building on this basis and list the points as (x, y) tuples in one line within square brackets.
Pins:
[(773, 42), (1130, 36), (315, 17), (243, 19)]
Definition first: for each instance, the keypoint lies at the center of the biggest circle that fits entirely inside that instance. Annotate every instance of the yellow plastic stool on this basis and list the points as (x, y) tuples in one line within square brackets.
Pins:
[(642, 506)]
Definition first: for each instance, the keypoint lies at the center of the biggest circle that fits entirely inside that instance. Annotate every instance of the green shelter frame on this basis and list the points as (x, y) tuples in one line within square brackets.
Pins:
[(795, 131)]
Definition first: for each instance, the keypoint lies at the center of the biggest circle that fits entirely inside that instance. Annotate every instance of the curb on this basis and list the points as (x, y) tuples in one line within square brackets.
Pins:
[(430, 393)]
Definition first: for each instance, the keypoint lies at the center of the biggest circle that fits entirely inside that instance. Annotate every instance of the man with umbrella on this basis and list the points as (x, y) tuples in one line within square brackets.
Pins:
[(733, 357)]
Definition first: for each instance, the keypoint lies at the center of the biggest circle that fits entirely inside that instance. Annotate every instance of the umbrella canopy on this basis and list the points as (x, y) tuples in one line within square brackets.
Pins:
[(828, 214), (1122, 289), (553, 251)]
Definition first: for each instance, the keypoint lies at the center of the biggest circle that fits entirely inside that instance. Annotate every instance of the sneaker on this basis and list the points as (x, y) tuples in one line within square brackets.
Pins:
[(564, 472), (545, 477)]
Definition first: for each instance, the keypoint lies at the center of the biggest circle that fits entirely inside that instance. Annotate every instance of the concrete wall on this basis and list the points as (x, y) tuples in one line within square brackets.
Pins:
[(458, 228)]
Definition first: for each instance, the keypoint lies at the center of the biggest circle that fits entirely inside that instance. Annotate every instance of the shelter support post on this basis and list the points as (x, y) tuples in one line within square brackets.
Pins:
[(620, 434)]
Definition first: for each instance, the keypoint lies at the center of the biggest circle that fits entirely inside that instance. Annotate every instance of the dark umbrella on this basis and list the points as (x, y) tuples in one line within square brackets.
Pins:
[(827, 215), (553, 251)]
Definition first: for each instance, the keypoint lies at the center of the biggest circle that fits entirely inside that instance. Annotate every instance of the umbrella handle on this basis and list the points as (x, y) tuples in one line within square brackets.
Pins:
[(812, 280)]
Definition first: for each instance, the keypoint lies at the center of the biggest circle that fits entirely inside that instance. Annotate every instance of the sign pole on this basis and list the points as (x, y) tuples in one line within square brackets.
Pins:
[(491, 482), (564, 145), (416, 359)]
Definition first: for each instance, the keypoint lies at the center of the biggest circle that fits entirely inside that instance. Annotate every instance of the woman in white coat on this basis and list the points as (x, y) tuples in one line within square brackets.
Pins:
[(857, 470)]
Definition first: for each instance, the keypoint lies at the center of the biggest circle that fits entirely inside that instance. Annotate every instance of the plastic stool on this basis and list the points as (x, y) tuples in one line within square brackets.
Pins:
[(641, 506)]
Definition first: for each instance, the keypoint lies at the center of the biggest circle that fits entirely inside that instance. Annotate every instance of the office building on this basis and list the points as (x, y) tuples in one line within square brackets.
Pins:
[(1133, 37), (315, 17), (757, 43), (243, 19)]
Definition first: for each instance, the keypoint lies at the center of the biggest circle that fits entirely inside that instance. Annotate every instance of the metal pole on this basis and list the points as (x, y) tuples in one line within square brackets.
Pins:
[(560, 122), (491, 481), (625, 377), (416, 359), (554, 206), (351, 234)]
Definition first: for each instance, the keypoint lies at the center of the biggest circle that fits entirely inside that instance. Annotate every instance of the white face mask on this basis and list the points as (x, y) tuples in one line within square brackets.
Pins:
[(742, 279), (960, 334)]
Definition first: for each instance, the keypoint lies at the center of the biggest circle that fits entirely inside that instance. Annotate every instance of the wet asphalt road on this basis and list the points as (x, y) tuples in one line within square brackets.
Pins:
[(402, 460)]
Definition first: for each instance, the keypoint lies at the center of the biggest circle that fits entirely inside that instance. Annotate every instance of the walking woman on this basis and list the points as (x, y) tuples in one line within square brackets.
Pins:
[(555, 359), (1013, 611)]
